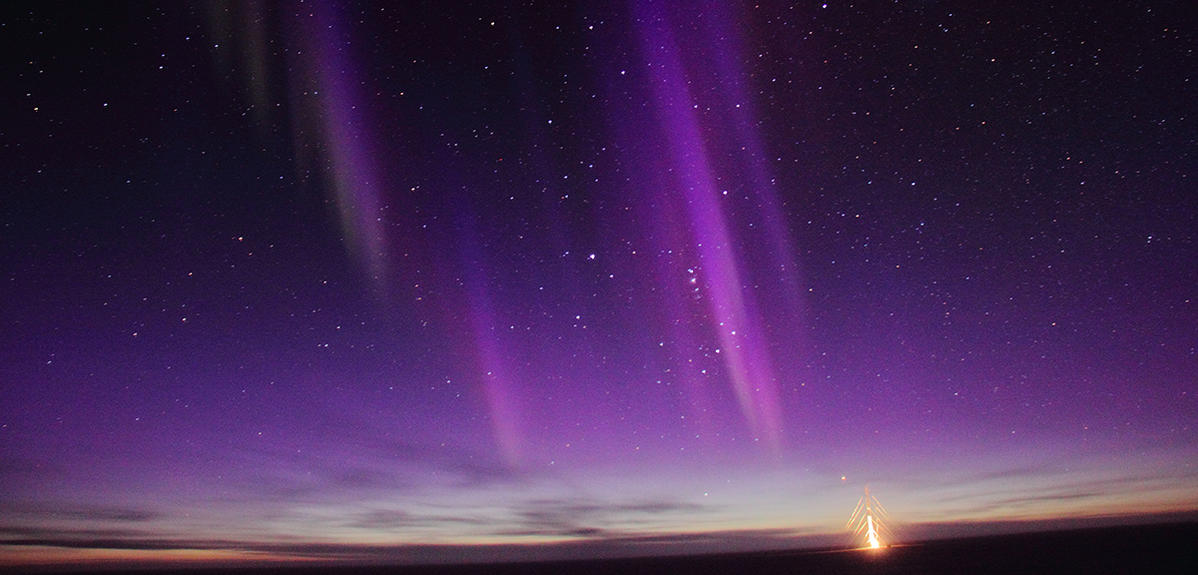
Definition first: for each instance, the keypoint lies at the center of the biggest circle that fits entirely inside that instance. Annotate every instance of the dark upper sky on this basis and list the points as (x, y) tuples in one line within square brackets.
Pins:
[(308, 276)]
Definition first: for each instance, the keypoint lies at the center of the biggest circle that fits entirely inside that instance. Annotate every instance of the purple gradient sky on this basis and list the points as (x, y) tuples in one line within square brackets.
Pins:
[(350, 281)]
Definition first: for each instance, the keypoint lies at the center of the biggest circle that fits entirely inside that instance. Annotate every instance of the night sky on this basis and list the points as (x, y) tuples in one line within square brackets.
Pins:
[(432, 281)]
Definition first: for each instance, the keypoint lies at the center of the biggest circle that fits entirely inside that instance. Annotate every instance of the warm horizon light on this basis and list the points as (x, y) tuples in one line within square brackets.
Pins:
[(346, 282), (863, 521)]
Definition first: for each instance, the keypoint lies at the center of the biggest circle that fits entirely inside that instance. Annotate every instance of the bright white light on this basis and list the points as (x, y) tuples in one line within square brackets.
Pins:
[(864, 523), (872, 535)]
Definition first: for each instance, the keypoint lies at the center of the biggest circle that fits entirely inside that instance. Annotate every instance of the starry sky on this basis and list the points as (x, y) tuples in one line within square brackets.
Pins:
[(433, 281)]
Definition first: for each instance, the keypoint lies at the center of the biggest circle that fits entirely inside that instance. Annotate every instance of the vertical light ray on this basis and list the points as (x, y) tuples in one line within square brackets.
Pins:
[(495, 378), (356, 180), (742, 343), (496, 384), (255, 70), (739, 105), (658, 219), (239, 31)]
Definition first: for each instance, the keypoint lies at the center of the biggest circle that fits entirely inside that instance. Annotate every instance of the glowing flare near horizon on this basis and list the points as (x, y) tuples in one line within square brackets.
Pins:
[(863, 521), (871, 535)]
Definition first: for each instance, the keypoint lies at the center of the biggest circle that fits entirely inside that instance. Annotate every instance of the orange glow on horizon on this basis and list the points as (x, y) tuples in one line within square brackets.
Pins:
[(867, 520), (51, 555)]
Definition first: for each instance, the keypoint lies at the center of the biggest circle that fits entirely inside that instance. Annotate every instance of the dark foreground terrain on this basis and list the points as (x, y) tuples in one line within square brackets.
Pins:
[(1141, 549)]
